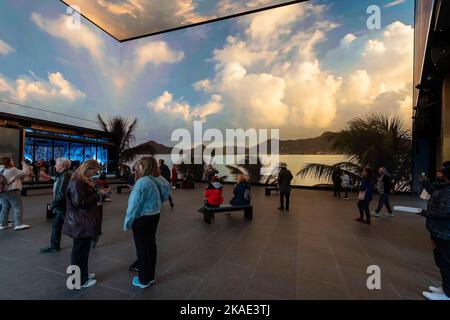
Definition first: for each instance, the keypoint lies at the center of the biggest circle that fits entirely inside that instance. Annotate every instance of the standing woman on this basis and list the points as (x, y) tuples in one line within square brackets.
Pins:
[(83, 217), (10, 197), (365, 195), (144, 207)]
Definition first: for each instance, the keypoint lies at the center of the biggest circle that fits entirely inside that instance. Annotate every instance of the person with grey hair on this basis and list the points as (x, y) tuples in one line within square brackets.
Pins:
[(384, 187), (58, 205)]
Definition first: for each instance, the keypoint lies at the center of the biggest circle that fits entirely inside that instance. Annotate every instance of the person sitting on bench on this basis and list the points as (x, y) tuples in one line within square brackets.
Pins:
[(241, 192), (213, 194)]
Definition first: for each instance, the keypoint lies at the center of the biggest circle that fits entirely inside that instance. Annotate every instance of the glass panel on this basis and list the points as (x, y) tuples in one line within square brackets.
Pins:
[(61, 149), (10, 143), (90, 152), (44, 150), (102, 155), (29, 149), (76, 151)]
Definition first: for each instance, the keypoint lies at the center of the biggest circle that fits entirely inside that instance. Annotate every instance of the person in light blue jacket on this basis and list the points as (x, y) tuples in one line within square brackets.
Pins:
[(144, 207)]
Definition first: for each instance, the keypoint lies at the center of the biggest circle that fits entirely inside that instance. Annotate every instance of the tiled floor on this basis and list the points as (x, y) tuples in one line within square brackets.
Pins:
[(316, 251)]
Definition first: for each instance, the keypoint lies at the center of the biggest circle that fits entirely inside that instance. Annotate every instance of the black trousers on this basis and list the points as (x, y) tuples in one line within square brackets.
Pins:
[(383, 200), (337, 190), (170, 200), (80, 256), (363, 206), (144, 232), (57, 225), (442, 259), (284, 195)]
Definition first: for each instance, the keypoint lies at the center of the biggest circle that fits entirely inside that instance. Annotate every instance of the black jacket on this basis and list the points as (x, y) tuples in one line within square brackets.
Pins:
[(58, 205), (165, 172), (284, 180), (83, 216), (241, 194), (438, 213)]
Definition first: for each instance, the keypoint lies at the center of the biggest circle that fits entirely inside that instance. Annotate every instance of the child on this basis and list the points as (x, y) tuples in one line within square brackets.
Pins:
[(213, 194)]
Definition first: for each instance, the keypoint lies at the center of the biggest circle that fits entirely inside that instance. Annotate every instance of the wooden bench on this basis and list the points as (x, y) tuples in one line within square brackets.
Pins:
[(208, 212), (123, 186), (35, 186), (270, 189)]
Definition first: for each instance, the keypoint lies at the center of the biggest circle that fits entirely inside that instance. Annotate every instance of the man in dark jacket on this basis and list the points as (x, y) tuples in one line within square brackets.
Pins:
[(165, 172), (58, 205), (284, 183), (337, 182), (438, 224)]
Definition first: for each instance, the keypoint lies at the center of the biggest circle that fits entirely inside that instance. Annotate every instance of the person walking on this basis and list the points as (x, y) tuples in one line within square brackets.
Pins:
[(165, 173), (336, 177), (284, 184), (241, 192), (345, 178), (10, 197), (437, 217), (384, 187), (58, 205), (365, 196), (143, 213), (83, 217)]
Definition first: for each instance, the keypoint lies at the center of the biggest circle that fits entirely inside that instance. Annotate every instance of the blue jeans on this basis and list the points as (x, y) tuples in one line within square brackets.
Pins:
[(11, 200)]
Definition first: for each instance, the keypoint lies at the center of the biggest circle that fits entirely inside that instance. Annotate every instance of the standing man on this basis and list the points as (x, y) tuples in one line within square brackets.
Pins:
[(284, 184), (337, 182), (58, 205), (165, 172), (384, 187)]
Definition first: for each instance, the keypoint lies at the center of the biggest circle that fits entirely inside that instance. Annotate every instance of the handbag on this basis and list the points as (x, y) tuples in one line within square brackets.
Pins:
[(362, 195), (425, 195)]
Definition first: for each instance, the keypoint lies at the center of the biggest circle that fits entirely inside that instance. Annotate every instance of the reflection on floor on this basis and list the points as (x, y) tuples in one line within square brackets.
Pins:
[(316, 251)]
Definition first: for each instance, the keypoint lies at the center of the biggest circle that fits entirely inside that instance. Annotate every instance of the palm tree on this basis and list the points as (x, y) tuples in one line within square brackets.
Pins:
[(122, 133), (251, 170), (376, 141)]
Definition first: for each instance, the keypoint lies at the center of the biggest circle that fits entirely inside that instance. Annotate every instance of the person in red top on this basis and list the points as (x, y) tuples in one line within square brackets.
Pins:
[(174, 177), (213, 193)]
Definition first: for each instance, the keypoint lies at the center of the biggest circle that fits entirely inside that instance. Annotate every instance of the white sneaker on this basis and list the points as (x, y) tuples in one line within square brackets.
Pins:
[(4, 227), (374, 214), (435, 296), (436, 290), (89, 283), (22, 227), (107, 200), (91, 276), (390, 215)]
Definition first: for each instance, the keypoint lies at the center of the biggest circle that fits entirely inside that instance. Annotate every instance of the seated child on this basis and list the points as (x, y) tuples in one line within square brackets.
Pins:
[(213, 194)]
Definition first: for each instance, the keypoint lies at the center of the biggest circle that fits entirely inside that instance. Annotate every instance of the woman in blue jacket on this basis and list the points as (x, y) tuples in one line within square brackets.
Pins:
[(365, 195), (241, 192), (144, 207)]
